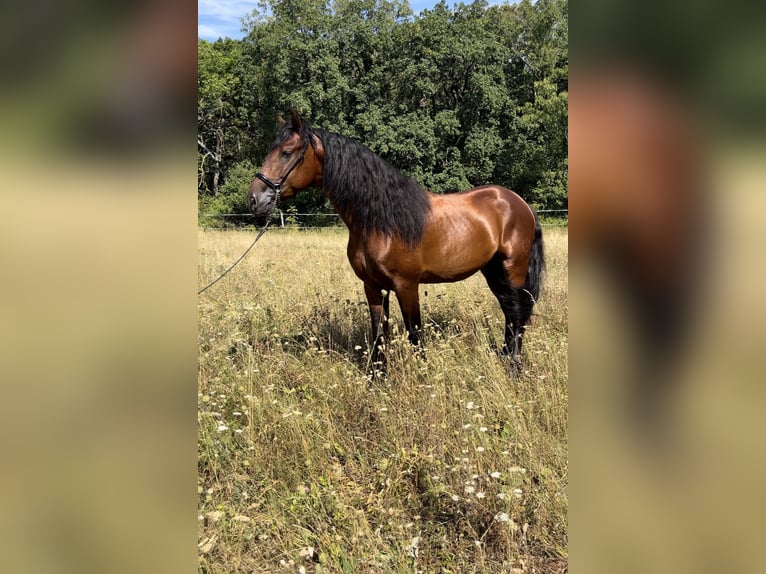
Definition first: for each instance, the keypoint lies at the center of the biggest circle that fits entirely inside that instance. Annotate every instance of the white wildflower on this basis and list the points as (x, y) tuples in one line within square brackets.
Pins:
[(307, 552), (412, 547)]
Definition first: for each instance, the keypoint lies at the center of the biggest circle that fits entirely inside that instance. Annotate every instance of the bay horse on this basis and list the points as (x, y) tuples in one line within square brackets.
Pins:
[(401, 235)]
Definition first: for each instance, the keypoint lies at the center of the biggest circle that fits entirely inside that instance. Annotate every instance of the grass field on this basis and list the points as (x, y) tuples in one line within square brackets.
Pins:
[(305, 464)]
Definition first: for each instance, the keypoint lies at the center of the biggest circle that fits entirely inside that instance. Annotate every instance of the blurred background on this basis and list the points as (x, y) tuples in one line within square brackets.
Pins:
[(98, 290), (666, 181)]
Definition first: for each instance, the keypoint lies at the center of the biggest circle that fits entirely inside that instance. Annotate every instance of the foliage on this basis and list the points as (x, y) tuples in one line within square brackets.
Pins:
[(231, 197), (455, 97)]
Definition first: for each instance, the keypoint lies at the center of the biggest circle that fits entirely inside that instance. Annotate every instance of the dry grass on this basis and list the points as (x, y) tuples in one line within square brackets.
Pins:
[(448, 465)]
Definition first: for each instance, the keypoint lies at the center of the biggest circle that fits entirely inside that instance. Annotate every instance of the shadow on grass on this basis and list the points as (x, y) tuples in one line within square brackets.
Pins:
[(342, 328)]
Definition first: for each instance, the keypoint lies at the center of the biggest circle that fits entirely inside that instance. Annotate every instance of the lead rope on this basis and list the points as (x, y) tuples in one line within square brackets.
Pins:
[(222, 275)]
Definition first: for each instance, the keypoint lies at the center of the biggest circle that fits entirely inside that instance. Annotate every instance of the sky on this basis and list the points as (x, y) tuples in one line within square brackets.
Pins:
[(222, 18)]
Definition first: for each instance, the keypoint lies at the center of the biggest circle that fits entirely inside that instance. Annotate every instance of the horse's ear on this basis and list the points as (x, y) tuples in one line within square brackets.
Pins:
[(280, 120), (296, 120)]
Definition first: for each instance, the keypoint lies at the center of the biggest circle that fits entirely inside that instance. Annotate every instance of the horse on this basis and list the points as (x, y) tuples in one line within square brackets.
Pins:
[(401, 235)]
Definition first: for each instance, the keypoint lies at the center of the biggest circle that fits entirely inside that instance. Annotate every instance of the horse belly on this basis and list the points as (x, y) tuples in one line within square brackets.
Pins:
[(464, 234), (448, 277), (458, 262)]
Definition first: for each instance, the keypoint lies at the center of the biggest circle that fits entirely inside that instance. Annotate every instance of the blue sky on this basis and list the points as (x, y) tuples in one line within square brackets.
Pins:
[(222, 18)]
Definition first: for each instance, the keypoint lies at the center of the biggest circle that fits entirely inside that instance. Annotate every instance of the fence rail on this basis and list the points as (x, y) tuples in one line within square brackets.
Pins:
[(289, 214), (285, 218)]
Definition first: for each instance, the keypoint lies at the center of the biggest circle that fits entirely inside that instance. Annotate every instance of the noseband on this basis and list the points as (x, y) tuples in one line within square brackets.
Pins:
[(276, 187)]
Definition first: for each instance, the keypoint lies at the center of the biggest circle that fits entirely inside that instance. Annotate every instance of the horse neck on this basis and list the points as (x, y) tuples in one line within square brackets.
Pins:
[(345, 215), (340, 180)]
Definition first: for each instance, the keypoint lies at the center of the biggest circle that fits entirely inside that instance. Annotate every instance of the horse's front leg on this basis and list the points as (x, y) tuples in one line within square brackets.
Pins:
[(377, 299), (410, 305)]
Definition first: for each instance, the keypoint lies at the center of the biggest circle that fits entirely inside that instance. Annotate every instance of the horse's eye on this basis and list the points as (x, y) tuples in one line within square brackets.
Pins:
[(287, 153)]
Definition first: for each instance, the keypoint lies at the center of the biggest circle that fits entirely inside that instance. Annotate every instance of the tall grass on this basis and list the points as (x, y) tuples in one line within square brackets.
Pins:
[(306, 464)]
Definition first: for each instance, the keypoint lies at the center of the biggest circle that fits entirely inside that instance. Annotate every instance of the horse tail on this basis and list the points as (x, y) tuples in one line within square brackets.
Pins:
[(536, 268)]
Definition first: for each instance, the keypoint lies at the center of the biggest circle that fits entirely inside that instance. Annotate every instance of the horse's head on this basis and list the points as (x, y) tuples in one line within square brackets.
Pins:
[(293, 163)]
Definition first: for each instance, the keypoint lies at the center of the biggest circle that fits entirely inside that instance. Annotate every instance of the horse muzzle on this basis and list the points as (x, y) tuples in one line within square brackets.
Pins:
[(261, 203)]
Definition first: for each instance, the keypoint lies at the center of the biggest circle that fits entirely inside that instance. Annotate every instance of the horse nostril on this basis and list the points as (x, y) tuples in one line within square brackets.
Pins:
[(258, 204)]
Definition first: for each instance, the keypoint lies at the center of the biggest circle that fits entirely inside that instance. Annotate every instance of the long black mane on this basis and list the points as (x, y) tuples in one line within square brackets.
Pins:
[(364, 187)]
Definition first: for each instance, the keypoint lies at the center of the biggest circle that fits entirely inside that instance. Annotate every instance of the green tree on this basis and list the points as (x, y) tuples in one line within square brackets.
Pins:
[(454, 97), (217, 83), (231, 197)]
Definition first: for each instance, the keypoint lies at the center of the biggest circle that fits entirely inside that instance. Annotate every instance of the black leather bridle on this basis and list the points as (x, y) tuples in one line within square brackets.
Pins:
[(276, 187)]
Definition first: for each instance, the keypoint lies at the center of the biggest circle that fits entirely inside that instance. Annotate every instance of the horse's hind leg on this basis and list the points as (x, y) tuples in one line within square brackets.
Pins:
[(515, 302), (501, 289), (522, 312)]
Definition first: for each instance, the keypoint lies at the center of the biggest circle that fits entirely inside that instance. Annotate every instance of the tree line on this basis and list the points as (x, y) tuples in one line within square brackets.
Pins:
[(455, 97)]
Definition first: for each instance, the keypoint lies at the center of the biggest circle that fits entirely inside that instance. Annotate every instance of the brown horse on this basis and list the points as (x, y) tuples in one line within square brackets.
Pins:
[(400, 235)]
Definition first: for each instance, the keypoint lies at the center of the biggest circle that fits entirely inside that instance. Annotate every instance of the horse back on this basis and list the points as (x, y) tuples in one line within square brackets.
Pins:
[(494, 206)]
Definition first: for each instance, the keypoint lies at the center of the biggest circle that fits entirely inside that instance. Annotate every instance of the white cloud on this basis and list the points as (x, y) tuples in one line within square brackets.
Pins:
[(222, 18), (209, 32), (226, 9)]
